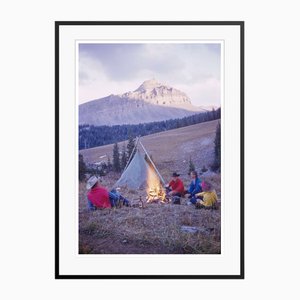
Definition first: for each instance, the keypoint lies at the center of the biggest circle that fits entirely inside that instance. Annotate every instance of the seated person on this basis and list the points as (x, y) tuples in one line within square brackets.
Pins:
[(208, 196), (100, 197), (117, 198), (195, 187), (175, 186)]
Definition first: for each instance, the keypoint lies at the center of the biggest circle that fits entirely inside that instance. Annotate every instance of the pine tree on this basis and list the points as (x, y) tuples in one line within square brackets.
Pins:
[(109, 164), (217, 160), (204, 169), (191, 166), (116, 158), (130, 147), (81, 168), (213, 113), (123, 158)]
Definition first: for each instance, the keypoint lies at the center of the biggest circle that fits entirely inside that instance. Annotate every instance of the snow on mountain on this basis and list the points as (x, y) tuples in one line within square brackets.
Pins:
[(153, 92), (151, 101)]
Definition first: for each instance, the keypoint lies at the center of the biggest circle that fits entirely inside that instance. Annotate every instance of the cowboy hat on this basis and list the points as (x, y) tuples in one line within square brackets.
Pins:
[(91, 182), (175, 174)]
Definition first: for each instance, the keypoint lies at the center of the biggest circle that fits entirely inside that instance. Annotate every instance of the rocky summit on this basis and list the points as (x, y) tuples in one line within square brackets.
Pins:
[(153, 92), (150, 102)]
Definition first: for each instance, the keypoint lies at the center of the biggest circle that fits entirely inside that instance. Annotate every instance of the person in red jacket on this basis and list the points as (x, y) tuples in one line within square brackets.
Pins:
[(175, 186), (100, 197)]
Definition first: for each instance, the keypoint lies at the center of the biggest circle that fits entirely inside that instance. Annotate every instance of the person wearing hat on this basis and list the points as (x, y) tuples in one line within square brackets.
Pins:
[(209, 196), (175, 186), (195, 187), (100, 197)]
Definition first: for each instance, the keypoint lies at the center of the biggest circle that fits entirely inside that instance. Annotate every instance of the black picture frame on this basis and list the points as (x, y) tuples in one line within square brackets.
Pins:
[(58, 24)]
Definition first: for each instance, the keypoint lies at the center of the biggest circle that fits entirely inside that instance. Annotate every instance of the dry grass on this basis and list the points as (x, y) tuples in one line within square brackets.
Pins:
[(156, 229)]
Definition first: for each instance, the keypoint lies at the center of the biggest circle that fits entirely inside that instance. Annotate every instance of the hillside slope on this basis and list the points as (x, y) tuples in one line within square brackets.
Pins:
[(156, 229), (172, 149)]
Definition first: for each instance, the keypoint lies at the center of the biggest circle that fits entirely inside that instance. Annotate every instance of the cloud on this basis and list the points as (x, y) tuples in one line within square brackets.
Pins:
[(205, 92), (117, 68)]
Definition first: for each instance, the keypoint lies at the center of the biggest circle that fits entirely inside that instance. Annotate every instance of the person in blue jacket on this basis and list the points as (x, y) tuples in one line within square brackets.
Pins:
[(195, 187)]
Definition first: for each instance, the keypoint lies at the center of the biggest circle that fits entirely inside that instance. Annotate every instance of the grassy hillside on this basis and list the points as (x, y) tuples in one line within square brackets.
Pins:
[(171, 150), (156, 228)]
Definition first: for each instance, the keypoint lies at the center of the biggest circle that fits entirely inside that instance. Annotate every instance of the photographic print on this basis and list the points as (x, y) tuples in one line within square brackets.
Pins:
[(150, 145), (149, 141)]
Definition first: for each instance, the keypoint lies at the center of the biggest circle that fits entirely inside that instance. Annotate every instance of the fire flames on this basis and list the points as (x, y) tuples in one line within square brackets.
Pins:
[(155, 190)]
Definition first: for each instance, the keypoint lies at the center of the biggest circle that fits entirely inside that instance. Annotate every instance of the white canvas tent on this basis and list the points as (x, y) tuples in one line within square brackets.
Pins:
[(138, 172)]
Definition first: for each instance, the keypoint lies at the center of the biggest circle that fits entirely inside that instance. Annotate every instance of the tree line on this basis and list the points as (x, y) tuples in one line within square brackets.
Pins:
[(122, 157), (94, 136)]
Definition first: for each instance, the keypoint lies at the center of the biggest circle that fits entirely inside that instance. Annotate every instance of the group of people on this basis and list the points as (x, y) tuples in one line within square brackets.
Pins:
[(200, 193)]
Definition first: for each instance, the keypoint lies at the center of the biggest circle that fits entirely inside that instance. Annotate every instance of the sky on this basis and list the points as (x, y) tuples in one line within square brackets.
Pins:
[(194, 69)]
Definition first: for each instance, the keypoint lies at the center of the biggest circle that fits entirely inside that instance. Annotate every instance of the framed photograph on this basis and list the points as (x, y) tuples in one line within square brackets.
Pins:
[(149, 150)]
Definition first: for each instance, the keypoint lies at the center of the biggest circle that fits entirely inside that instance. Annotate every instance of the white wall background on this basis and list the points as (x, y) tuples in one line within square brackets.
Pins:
[(27, 148)]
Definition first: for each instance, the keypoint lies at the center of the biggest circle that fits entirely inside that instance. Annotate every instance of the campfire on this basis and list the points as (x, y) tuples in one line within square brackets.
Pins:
[(155, 190), (156, 195)]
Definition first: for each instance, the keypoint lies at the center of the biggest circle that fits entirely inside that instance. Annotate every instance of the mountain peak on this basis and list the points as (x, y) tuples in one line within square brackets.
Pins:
[(151, 101), (148, 85), (154, 92)]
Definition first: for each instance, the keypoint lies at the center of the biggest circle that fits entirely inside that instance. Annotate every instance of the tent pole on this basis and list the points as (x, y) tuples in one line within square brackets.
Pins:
[(152, 163), (137, 140)]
